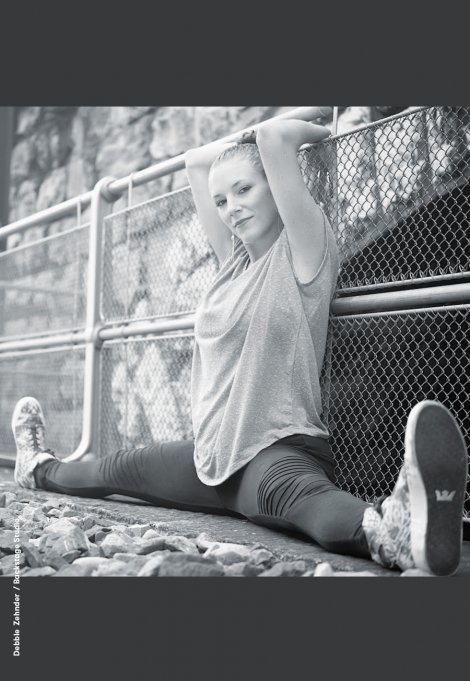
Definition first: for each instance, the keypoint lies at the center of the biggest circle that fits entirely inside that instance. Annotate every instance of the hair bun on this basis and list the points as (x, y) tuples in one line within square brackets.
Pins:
[(248, 137)]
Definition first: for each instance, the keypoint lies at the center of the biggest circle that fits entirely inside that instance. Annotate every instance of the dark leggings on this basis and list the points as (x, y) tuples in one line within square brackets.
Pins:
[(288, 486)]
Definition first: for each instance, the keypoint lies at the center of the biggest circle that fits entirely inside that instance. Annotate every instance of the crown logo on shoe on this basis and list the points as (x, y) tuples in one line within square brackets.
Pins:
[(444, 495)]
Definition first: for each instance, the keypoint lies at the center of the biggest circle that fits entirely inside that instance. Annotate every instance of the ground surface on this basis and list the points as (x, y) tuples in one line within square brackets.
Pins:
[(131, 538)]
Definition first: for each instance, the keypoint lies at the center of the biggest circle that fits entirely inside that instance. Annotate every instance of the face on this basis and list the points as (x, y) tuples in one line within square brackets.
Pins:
[(244, 201)]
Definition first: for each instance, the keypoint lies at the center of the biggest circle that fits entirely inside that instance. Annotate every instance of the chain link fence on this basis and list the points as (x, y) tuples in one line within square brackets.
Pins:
[(43, 285), (157, 259), (145, 391), (55, 378), (398, 197), (378, 367)]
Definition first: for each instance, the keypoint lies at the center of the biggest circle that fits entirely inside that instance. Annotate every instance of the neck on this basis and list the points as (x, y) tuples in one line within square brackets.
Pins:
[(258, 248)]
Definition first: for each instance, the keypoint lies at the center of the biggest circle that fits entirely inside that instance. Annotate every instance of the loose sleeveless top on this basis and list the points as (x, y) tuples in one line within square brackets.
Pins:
[(260, 338)]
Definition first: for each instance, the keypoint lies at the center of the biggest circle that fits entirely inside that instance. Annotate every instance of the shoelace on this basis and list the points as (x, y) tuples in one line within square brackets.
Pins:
[(34, 434), (377, 505)]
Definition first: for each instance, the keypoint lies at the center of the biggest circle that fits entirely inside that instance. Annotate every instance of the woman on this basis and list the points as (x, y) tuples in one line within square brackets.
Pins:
[(261, 450)]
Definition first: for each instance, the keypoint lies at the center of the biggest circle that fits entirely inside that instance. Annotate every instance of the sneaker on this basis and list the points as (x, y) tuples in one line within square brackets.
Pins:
[(420, 523), (28, 427)]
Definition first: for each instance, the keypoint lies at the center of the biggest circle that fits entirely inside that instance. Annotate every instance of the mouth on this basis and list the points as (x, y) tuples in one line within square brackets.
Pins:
[(240, 223)]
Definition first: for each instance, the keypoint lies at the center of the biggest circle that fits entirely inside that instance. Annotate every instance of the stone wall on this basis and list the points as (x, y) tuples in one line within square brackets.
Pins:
[(60, 152)]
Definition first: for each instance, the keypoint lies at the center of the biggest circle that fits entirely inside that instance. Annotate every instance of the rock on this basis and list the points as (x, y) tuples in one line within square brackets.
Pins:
[(126, 149), (229, 553), (7, 518), (52, 503), (144, 547), (54, 513), (70, 556), (7, 563), (31, 527), (325, 570), (262, 557), (205, 542), (93, 550), (35, 514), (7, 541), (7, 498), (112, 568), (21, 160), (88, 522), (140, 530), (173, 131), (59, 526), (150, 534), (127, 557), (152, 565), (352, 117), (89, 563), (175, 542), (187, 565), (32, 555), (124, 115), (52, 190), (293, 568), (69, 513), (63, 535), (96, 533), (243, 570), (72, 571), (135, 565), (54, 558), (27, 119), (115, 542), (45, 571), (17, 506), (101, 533)]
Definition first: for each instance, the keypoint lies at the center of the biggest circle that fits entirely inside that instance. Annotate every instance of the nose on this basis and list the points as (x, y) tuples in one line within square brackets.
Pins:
[(233, 206)]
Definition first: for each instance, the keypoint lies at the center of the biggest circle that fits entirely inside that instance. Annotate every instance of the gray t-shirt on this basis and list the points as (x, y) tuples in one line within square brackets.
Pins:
[(260, 338)]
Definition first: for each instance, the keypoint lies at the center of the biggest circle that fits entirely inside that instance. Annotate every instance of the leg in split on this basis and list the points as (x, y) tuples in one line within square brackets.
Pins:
[(288, 486), (162, 474)]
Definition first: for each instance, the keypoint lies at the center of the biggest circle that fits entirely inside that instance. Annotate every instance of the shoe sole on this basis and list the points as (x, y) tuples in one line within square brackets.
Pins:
[(14, 418), (437, 467)]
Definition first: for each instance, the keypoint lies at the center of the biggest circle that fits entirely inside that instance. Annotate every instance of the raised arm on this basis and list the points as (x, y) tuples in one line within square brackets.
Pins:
[(278, 143), (198, 163)]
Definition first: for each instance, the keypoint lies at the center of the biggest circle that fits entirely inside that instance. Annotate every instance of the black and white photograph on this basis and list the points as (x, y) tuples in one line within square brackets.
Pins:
[(233, 344)]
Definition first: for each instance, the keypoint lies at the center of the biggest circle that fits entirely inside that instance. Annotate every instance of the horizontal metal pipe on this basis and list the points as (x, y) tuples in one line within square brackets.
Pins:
[(46, 215), (43, 342), (399, 300), (408, 311), (408, 112), (148, 327), (377, 288), (178, 162)]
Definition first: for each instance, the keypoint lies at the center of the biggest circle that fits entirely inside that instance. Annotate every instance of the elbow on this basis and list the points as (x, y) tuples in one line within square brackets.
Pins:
[(192, 158), (271, 131)]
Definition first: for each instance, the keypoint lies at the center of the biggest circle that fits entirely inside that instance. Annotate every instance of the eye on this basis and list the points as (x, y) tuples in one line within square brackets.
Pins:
[(244, 189), (220, 202)]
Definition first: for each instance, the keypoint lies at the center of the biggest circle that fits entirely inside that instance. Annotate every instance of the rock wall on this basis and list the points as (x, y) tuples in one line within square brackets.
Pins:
[(60, 152)]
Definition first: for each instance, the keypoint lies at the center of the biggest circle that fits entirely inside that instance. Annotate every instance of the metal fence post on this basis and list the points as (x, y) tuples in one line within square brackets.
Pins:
[(101, 205)]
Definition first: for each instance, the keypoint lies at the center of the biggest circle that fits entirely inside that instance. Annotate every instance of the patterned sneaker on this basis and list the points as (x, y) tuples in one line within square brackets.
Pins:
[(28, 427), (420, 523)]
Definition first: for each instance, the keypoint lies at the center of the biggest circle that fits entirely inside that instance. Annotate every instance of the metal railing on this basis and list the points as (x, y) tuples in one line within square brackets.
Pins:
[(396, 193)]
